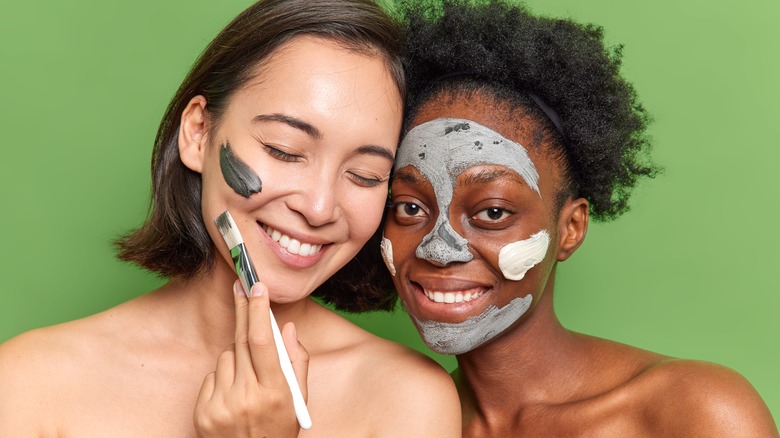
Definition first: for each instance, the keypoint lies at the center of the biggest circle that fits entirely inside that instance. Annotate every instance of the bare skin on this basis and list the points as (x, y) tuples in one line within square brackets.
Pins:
[(193, 358), (136, 370), (577, 385), (538, 378)]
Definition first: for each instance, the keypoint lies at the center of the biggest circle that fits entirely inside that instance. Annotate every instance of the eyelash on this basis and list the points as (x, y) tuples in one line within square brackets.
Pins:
[(504, 213), (284, 156), (397, 206), (368, 182), (281, 155)]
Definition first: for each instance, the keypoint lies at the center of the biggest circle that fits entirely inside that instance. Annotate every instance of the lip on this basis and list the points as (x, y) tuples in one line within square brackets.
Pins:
[(423, 307), (288, 258)]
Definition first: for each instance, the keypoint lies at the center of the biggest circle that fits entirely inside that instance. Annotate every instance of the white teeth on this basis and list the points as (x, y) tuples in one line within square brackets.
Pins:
[(452, 297), (292, 246)]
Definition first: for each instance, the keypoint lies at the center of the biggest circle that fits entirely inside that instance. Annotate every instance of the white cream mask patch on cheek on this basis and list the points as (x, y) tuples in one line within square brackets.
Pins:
[(515, 259), (441, 150), (387, 254), (462, 337)]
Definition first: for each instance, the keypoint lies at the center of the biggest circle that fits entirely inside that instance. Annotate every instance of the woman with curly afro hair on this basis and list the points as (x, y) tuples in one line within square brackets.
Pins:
[(518, 130)]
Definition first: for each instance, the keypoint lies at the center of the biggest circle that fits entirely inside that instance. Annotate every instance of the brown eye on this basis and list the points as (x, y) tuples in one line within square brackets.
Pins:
[(407, 209), (492, 214)]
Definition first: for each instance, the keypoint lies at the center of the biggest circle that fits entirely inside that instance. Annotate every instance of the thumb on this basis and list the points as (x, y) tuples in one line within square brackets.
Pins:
[(299, 357)]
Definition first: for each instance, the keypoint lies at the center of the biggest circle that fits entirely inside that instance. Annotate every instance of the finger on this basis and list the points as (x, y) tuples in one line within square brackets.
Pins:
[(243, 358), (265, 359), (298, 356), (204, 396), (225, 374), (206, 389)]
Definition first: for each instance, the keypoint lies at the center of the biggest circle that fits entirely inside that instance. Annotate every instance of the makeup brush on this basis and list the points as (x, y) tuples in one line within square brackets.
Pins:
[(246, 273)]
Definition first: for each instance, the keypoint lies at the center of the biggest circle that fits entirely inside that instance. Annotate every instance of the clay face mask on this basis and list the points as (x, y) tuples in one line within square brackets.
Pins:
[(441, 150), (515, 259), (387, 254), (238, 175), (459, 338)]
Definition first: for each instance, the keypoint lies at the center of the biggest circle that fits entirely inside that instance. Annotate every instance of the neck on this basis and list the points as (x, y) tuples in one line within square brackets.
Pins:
[(533, 363), (201, 311)]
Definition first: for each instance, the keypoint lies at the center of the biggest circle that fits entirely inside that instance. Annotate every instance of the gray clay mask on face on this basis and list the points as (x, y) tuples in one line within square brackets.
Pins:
[(441, 150), (238, 175), (459, 338)]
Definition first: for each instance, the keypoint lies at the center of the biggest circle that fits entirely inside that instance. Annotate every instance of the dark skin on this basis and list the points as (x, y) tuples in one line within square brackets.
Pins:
[(538, 378)]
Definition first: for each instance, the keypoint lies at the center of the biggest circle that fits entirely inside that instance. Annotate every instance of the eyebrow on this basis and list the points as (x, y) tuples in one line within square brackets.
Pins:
[(488, 176), (315, 133), (296, 123), (372, 149), (408, 177)]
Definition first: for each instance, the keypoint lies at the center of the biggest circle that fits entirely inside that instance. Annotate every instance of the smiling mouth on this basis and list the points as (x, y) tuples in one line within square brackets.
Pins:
[(293, 246), (454, 297)]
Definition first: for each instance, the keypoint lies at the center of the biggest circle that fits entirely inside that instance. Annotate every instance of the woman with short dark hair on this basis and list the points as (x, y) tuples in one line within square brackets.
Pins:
[(289, 120)]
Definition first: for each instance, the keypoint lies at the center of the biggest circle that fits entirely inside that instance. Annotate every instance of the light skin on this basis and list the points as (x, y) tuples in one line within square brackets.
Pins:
[(536, 378), (194, 357)]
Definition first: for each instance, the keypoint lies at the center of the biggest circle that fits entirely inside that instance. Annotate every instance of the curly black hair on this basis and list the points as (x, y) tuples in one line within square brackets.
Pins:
[(461, 46)]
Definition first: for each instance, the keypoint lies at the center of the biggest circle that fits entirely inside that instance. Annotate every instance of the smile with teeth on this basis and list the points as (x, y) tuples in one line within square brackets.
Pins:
[(453, 297), (293, 246)]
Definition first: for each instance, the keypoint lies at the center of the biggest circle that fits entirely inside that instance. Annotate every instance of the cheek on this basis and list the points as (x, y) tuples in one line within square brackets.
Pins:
[(364, 209), (515, 259), (401, 246), (487, 248), (237, 174)]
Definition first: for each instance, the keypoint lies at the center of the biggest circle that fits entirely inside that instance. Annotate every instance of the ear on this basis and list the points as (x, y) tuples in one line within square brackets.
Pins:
[(572, 227), (192, 134)]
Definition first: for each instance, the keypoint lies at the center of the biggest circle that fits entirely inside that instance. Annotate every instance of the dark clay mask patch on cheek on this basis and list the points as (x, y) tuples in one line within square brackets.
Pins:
[(237, 174)]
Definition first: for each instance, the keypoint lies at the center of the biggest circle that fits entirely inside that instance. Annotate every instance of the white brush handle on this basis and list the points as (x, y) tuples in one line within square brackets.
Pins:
[(301, 411)]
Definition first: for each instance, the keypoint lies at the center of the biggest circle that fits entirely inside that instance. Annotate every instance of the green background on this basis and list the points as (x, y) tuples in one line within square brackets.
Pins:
[(688, 272)]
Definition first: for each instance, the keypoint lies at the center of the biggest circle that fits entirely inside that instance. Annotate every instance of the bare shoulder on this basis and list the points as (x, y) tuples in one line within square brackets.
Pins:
[(415, 388), (54, 370), (52, 351), (34, 366), (716, 401), (391, 382)]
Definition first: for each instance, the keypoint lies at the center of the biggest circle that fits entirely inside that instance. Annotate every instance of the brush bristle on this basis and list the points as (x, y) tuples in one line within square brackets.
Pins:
[(227, 227)]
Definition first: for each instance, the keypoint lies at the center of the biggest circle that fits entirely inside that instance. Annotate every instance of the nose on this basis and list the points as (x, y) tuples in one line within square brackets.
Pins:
[(317, 201), (443, 245)]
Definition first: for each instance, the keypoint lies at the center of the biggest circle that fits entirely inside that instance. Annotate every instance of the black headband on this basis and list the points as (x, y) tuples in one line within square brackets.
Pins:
[(548, 111)]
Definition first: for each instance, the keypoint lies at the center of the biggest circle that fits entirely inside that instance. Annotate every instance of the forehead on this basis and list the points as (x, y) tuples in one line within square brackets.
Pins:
[(349, 98), (508, 119), (448, 146)]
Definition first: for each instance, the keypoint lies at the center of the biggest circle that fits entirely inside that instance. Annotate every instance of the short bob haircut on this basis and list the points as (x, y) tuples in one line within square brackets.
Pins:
[(173, 241)]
